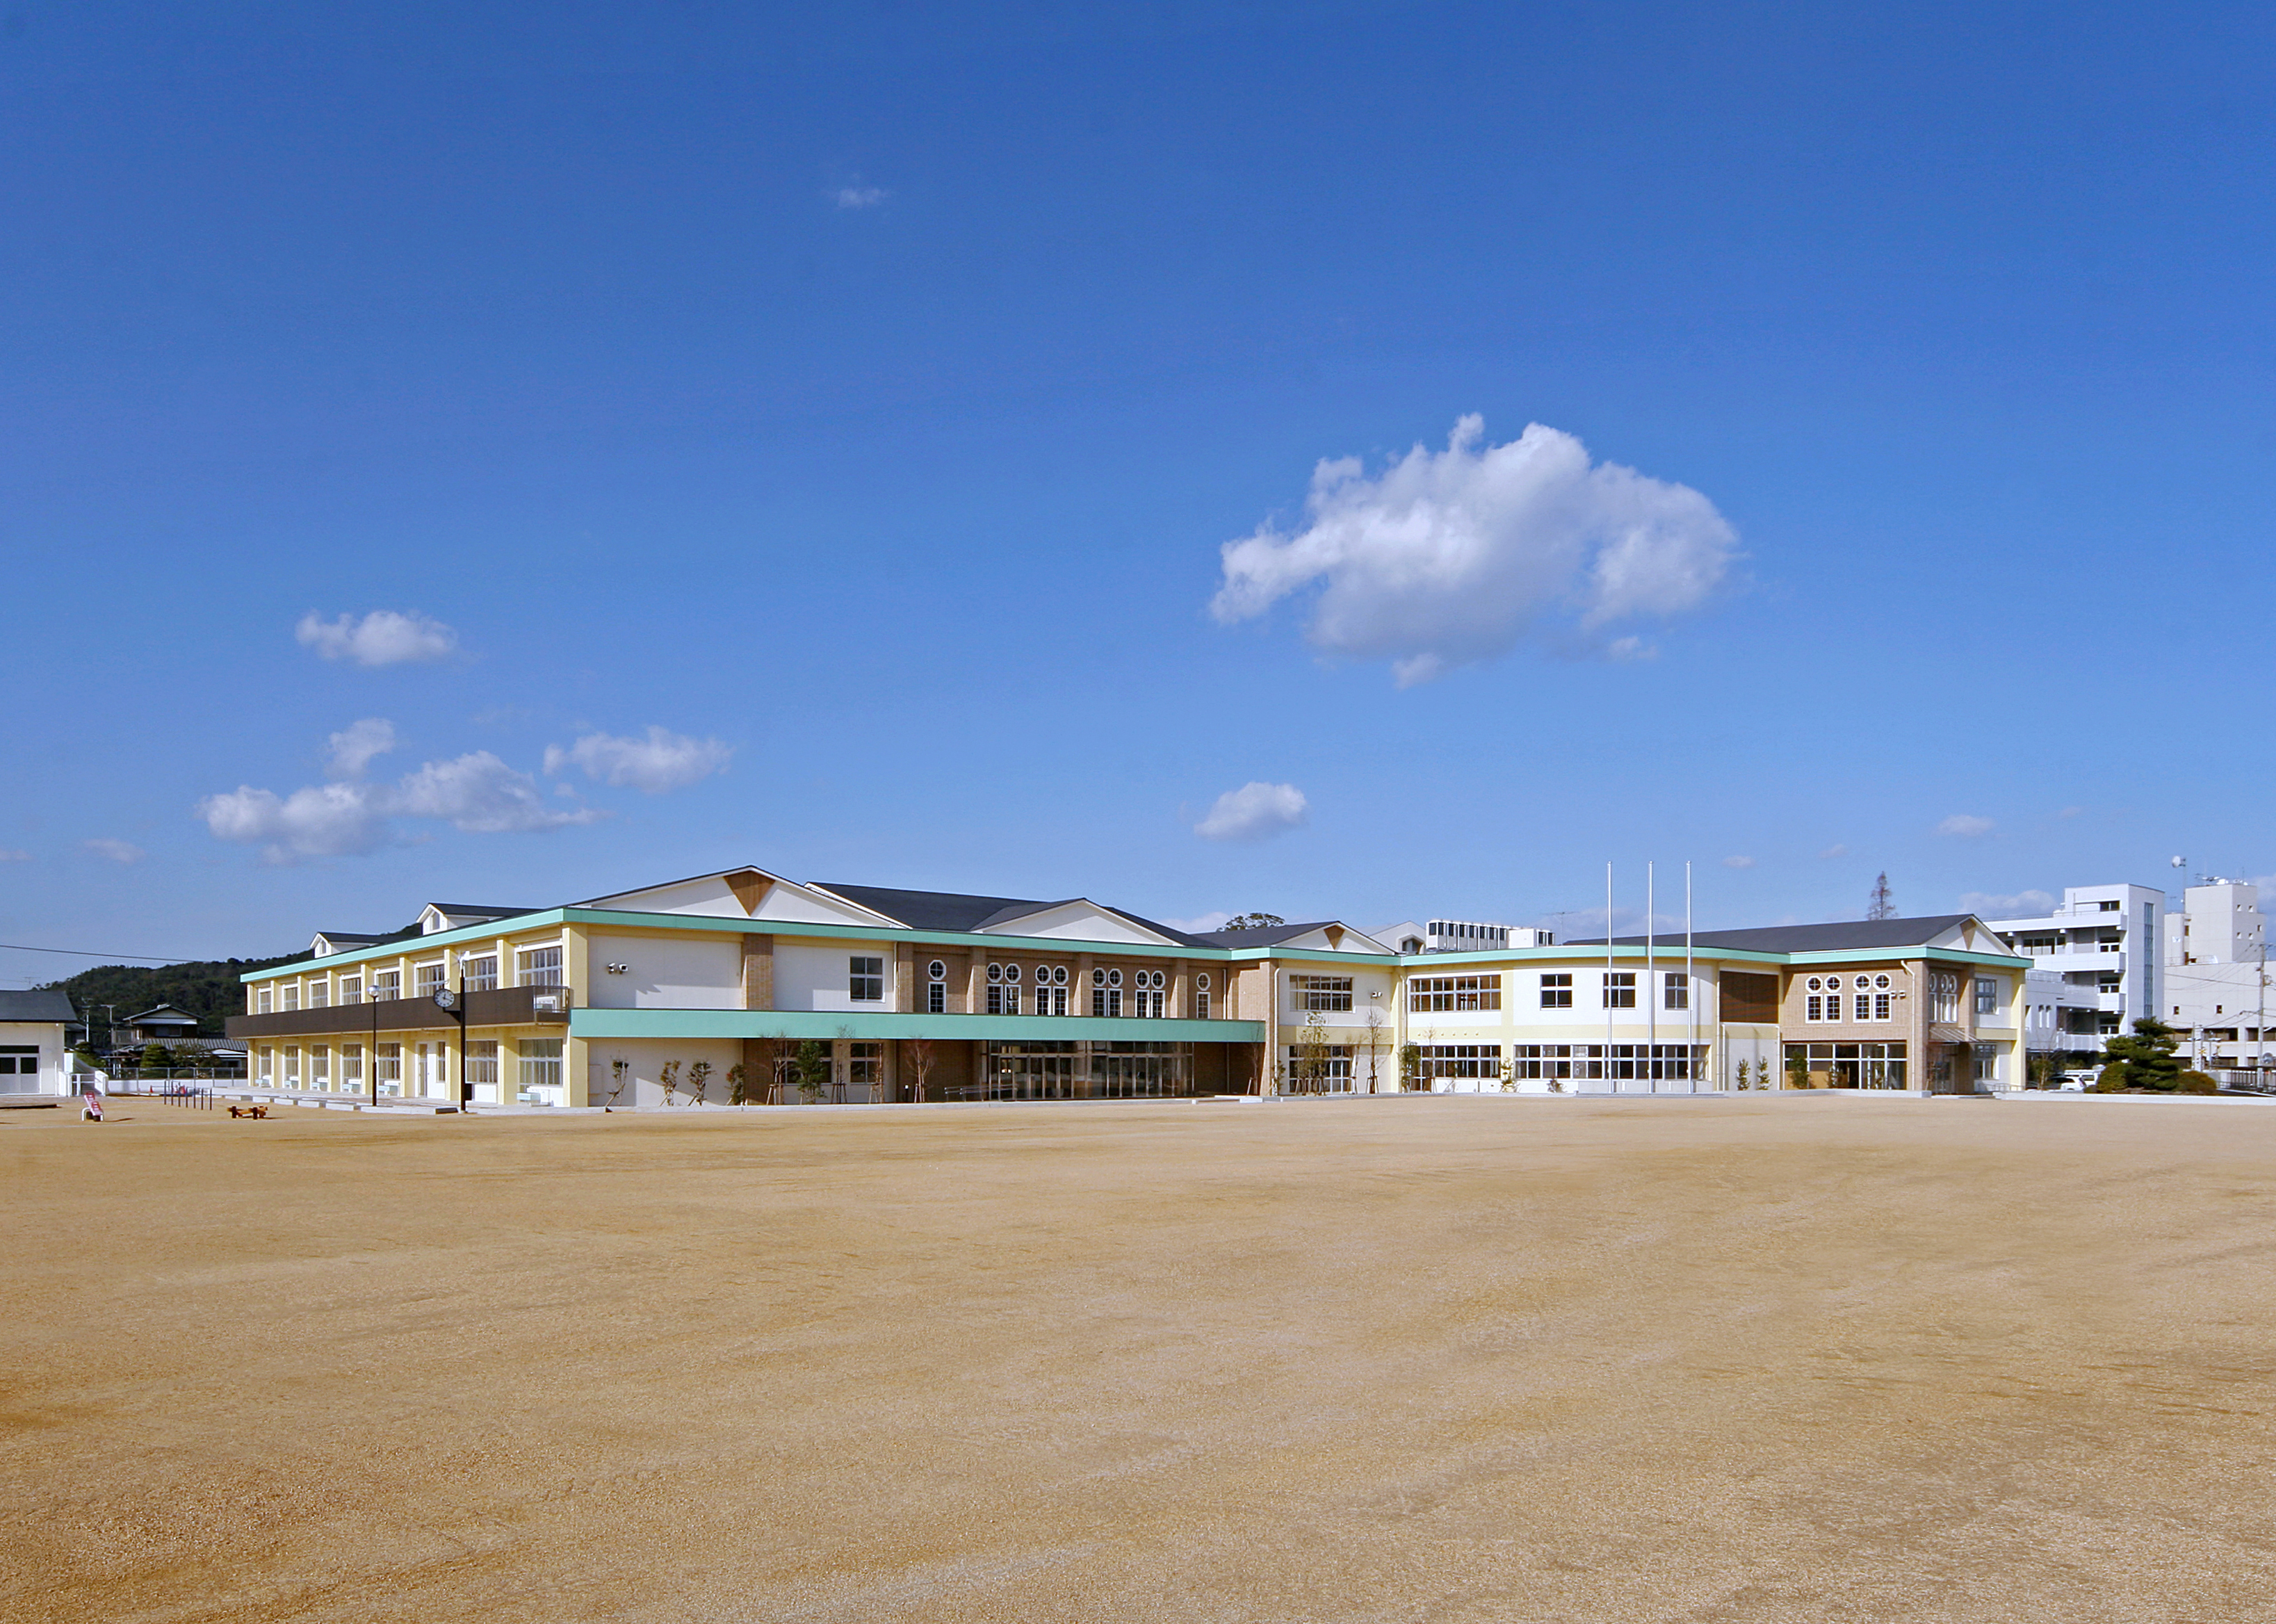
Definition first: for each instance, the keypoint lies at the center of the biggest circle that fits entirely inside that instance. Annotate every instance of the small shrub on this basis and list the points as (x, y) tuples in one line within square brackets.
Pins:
[(2196, 1082)]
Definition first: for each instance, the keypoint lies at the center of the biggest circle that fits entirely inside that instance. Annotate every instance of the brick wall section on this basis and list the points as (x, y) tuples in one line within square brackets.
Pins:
[(758, 972)]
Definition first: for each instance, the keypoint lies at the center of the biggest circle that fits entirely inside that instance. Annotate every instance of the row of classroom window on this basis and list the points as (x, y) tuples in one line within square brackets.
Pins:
[(1663, 1062), (536, 967), (539, 1060)]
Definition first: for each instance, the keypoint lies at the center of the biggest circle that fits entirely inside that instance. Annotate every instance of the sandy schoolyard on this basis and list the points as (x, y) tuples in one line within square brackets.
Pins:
[(1794, 1359)]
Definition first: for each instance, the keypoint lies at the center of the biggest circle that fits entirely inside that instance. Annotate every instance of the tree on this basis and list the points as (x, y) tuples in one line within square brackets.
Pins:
[(155, 1057), (1312, 1055), (1739, 1082), (2145, 1061), (1252, 921), (919, 1053), (735, 1076), (1375, 1025), (1410, 1067), (698, 1074), (1883, 906), (670, 1081), (618, 1067), (810, 1068), (1797, 1072), (2044, 1071)]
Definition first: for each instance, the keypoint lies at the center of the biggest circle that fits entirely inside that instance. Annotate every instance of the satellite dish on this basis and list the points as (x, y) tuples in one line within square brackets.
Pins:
[(2181, 862)]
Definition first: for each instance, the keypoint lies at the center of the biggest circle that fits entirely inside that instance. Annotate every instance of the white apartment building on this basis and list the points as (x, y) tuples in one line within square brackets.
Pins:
[(2215, 977), (2096, 961), (1459, 936)]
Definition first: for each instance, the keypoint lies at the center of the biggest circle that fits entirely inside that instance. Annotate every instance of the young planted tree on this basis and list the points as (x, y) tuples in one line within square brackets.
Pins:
[(1312, 1055), (1738, 1078), (698, 1074), (1377, 1041), (735, 1085), (919, 1053), (670, 1081), (1797, 1072), (618, 1068), (1410, 1067)]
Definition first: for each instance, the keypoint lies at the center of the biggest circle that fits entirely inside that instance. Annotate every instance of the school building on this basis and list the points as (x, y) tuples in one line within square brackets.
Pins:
[(746, 987)]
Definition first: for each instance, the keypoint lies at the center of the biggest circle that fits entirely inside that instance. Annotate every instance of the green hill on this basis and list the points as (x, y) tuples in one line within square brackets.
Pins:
[(205, 987)]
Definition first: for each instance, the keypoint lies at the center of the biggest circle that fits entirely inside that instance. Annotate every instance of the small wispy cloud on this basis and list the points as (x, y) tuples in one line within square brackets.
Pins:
[(1835, 850), (2070, 811), (1253, 811), (1967, 825), (2021, 905), (1738, 863), (10, 854), (117, 850), (662, 760), (382, 637), (351, 750), (860, 197)]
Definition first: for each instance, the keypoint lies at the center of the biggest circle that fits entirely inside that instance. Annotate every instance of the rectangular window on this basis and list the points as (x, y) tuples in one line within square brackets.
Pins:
[(1987, 1063), (1880, 1006), (351, 988), (1987, 995), (1862, 1008), (1201, 1006), (1477, 1060), (1003, 1000), (387, 1069), (865, 1066), (291, 1065), (936, 998), (865, 980), (481, 972), (267, 1066), (320, 1068), (539, 966), (351, 1068), (425, 979), (483, 1062), (291, 995), (386, 984), (1056, 996), (20, 1062), (1619, 988), (1114, 1003), (1817, 1010), (1943, 997), (260, 1001), (1324, 1070), (320, 993), (1556, 990), (541, 1069), (1675, 990), (1439, 994), (1320, 992)]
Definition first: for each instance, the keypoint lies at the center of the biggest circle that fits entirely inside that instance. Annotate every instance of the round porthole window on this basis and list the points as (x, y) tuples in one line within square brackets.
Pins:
[(1813, 980), (1202, 981), (1158, 979), (1012, 972), (1058, 975), (936, 971), (1114, 978), (1098, 978), (995, 972), (1880, 981)]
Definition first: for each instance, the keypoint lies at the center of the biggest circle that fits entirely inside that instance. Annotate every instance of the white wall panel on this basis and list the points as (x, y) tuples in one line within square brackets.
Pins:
[(665, 972)]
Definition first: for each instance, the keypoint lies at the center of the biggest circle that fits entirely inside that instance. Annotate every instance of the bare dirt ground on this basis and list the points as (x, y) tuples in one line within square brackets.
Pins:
[(1401, 1360)]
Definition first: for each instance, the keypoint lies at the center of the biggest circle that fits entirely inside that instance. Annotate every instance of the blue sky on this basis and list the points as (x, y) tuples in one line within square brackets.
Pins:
[(862, 397)]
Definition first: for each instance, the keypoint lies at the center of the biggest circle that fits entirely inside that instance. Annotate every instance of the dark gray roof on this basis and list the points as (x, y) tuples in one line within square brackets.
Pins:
[(932, 910), (165, 1014), (949, 910), (40, 1004), (1842, 936), (1261, 936), (482, 910)]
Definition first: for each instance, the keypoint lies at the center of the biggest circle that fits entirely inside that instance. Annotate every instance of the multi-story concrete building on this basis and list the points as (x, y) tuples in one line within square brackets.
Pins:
[(745, 985), (2095, 961), (2216, 979), (2219, 921)]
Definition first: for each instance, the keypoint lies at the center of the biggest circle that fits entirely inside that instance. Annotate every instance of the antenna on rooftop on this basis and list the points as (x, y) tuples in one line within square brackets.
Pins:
[(1883, 906)]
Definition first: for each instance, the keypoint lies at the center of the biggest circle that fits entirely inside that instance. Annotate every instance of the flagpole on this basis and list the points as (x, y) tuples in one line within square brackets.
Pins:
[(1607, 1073), (1650, 998), (1690, 988)]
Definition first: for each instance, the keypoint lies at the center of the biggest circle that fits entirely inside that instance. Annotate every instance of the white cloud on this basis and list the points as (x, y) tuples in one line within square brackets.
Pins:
[(1452, 556), (1253, 811), (1966, 825), (10, 854), (478, 794), (662, 760), (323, 820), (860, 197), (1738, 863), (2070, 811), (2023, 905), (117, 850), (381, 638), (1835, 850), (1200, 924), (351, 750)]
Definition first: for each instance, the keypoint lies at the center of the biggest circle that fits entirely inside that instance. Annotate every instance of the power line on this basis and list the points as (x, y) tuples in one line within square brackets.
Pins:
[(80, 953)]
